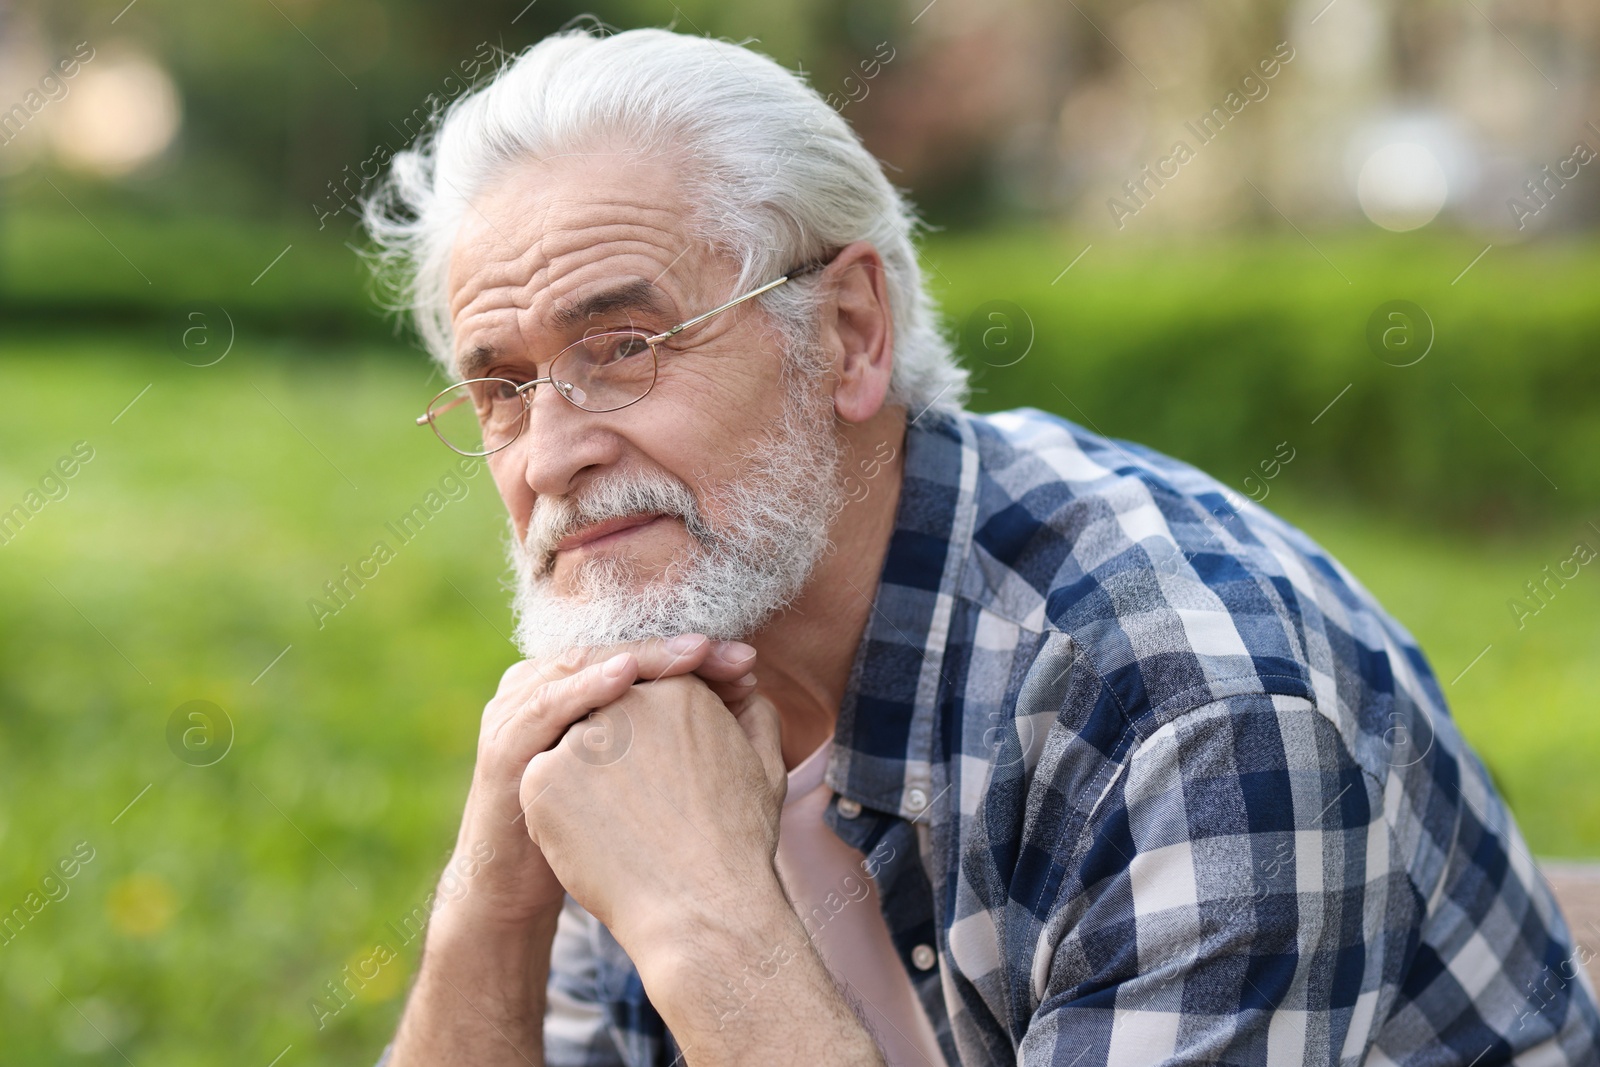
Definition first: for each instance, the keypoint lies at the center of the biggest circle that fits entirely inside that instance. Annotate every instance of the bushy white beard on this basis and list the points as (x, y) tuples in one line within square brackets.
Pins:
[(772, 530)]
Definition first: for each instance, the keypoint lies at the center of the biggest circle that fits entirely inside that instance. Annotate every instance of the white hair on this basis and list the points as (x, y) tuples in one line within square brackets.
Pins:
[(775, 178)]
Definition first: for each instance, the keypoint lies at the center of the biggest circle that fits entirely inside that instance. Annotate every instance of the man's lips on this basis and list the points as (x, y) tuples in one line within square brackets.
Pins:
[(599, 531)]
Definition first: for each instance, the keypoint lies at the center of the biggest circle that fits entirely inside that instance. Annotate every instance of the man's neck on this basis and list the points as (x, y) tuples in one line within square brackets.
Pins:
[(804, 656)]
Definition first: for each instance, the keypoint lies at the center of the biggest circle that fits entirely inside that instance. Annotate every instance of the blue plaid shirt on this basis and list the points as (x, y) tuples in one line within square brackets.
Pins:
[(1157, 781)]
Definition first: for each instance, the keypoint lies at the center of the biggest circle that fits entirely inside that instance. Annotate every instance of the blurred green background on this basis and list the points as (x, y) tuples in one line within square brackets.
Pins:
[(1233, 314)]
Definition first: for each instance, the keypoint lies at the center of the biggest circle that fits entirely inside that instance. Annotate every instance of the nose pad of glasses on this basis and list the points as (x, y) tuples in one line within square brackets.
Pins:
[(570, 391)]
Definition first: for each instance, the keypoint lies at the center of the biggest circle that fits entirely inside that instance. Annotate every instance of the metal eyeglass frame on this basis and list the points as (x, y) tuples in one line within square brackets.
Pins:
[(525, 389)]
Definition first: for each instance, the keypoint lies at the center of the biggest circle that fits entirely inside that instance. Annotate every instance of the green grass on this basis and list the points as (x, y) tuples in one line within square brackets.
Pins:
[(179, 565)]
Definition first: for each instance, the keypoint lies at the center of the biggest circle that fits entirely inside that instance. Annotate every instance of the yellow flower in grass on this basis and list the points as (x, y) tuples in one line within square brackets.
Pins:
[(141, 905)]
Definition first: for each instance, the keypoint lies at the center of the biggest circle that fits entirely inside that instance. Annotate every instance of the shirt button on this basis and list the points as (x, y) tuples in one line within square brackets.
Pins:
[(848, 809), (924, 959), (916, 799)]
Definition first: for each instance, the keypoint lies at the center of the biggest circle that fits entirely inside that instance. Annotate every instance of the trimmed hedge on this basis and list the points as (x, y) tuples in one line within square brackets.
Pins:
[(1220, 351)]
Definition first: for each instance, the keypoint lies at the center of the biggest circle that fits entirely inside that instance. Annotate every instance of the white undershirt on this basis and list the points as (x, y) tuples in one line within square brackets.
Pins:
[(839, 905)]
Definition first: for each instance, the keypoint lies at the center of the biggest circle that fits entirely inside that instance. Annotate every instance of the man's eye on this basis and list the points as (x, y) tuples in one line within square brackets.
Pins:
[(505, 383), (611, 348), (493, 391), (632, 345)]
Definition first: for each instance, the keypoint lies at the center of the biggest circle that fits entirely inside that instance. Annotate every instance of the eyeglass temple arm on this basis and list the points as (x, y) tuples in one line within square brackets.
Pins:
[(658, 338)]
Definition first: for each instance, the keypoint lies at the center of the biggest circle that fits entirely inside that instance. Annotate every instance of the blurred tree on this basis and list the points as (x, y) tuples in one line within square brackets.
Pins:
[(286, 101)]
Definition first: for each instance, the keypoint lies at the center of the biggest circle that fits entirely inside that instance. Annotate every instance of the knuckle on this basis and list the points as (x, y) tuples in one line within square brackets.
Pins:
[(679, 689), (573, 659), (537, 703), (691, 683), (531, 787), (548, 700), (516, 673)]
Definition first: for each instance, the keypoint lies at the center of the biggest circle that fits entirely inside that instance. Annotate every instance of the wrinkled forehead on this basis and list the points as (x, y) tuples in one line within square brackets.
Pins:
[(544, 236)]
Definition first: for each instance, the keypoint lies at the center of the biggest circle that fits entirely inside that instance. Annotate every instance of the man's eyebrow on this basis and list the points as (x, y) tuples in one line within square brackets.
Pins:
[(473, 362), (636, 295)]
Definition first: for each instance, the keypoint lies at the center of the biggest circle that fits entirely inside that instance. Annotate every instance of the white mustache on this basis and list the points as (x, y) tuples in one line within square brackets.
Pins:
[(555, 518), (757, 539)]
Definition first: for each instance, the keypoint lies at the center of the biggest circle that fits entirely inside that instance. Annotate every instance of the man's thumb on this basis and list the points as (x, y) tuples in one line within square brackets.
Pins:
[(758, 718)]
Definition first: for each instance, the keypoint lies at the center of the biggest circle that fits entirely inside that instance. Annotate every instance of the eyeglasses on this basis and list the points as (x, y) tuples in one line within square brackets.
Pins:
[(602, 372)]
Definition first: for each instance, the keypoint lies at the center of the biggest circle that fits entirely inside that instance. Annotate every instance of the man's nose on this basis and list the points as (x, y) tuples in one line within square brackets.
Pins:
[(560, 442)]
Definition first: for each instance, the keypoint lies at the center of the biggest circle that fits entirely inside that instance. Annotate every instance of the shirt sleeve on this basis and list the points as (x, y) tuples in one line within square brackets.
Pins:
[(1227, 901)]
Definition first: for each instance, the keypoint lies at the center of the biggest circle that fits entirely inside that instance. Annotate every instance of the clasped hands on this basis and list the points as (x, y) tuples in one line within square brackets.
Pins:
[(646, 780)]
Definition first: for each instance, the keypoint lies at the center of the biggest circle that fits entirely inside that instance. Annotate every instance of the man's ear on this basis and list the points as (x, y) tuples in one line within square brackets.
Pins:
[(858, 331)]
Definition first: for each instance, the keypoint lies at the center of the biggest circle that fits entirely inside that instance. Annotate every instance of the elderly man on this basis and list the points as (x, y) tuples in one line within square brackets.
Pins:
[(855, 728)]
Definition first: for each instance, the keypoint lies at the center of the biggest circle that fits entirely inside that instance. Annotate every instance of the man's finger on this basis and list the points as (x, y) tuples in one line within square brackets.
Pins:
[(713, 661), (668, 657), (734, 692), (541, 720), (758, 718), (725, 666)]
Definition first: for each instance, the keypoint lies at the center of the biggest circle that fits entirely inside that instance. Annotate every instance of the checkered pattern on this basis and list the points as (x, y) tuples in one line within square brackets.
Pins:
[(1161, 783)]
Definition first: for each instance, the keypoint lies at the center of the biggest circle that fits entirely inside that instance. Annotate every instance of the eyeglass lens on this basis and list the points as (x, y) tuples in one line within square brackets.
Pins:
[(599, 373)]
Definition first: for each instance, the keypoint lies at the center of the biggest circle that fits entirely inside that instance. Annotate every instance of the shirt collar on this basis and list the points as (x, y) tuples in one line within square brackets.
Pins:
[(883, 742)]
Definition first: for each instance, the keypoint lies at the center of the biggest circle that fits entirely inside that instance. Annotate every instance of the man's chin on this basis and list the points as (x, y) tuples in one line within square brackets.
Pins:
[(549, 621), (616, 593), (602, 604)]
